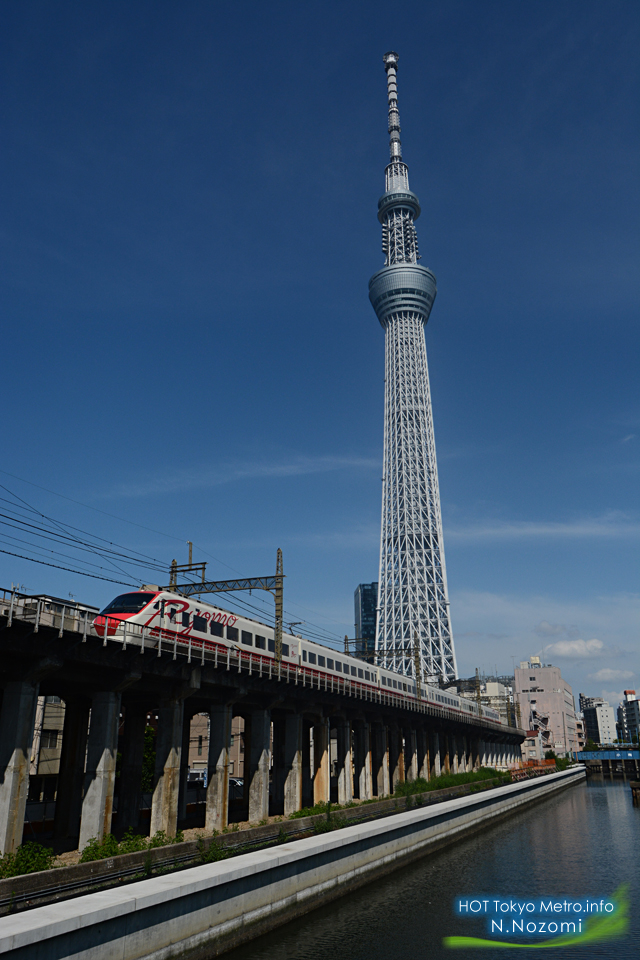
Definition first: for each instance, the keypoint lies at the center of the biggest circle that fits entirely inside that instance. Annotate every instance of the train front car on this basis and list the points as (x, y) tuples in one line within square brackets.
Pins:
[(127, 606)]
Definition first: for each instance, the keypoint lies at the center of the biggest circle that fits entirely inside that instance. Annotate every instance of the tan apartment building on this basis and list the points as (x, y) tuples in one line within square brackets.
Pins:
[(546, 704)]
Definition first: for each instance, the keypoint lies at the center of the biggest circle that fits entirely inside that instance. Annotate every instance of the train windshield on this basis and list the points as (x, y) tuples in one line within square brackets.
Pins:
[(128, 603)]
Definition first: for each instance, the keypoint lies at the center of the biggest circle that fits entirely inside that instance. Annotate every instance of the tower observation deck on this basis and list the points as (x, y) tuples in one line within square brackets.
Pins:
[(413, 629)]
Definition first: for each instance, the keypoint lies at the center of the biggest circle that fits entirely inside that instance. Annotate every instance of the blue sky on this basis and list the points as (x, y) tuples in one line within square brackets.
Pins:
[(189, 225)]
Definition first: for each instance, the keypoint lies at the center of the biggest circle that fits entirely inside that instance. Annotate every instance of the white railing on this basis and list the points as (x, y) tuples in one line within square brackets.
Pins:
[(74, 618)]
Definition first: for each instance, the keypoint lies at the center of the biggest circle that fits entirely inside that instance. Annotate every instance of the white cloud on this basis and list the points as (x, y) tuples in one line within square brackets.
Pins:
[(612, 525), (608, 674), (630, 436), (576, 648)]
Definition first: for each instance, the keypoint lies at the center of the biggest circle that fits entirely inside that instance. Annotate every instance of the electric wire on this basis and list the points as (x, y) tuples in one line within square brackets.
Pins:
[(67, 535)]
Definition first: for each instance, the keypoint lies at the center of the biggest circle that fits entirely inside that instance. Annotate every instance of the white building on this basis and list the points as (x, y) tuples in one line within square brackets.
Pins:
[(600, 722)]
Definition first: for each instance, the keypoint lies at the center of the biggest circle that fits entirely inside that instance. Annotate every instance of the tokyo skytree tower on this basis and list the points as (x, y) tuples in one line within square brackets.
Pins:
[(413, 616)]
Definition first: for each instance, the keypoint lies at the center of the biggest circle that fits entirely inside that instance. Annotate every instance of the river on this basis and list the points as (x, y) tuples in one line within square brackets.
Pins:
[(584, 842)]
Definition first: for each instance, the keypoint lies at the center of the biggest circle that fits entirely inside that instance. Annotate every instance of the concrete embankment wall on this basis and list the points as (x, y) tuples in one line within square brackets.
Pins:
[(202, 911)]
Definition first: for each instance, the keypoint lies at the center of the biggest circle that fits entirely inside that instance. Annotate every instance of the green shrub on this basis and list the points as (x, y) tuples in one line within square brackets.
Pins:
[(311, 811), (100, 849), (214, 853), (130, 843), (29, 858)]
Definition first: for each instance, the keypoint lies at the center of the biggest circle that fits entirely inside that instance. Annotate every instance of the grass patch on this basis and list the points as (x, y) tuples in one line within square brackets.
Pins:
[(410, 787)]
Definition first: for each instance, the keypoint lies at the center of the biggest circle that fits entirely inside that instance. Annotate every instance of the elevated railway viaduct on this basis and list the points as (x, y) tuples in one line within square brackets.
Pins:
[(291, 714)]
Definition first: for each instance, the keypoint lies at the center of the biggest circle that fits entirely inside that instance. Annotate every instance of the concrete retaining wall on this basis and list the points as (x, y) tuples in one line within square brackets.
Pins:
[(204, 910)]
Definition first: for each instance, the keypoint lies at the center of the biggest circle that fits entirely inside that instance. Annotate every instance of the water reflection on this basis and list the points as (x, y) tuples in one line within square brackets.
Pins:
[(584, 842)]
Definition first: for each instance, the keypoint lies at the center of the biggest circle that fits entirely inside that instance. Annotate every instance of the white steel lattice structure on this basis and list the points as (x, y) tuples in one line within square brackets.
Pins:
[(413, 605)]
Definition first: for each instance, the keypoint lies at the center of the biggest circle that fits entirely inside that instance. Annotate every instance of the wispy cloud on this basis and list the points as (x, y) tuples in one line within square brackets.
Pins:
[(234, 471), (612, 525), (630, 436)]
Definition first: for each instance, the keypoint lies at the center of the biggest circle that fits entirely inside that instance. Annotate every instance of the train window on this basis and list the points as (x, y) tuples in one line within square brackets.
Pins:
[(185, 619), (232, 633), (261, 643), (129, 603), (304, 654), (395, 684), (312, 658), (285, 649), (330, 663), (321, 661), (360, 673), (247, 638), (367, 675), (217, 630), (172, 614), (404, 686), (384, 681), (199, 623), (338, 667), (271, 644), (354, 672)]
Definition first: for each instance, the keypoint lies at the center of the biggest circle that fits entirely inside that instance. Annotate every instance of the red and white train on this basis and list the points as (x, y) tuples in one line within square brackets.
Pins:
[(191, 622)]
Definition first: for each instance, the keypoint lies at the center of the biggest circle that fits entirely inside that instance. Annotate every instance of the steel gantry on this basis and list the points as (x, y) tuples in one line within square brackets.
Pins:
[(412, 599), (274, 584)]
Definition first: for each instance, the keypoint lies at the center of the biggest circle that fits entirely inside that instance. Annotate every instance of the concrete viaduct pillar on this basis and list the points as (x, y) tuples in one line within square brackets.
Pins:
[(17, 719), (100, 776), (259, 763), (446, 748), (434, 753), (363, 759), (380, 759), (411, 753), (345, 760), (396, 756), (422, 753), (293, 734), (321, 762), (217, 804), (164, 805)]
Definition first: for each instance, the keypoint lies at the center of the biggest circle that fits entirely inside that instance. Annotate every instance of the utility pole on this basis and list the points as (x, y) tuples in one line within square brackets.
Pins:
[(278, 595), (416, 662)]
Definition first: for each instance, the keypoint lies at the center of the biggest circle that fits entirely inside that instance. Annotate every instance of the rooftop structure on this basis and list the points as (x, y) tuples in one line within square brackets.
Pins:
[(413, 629)]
